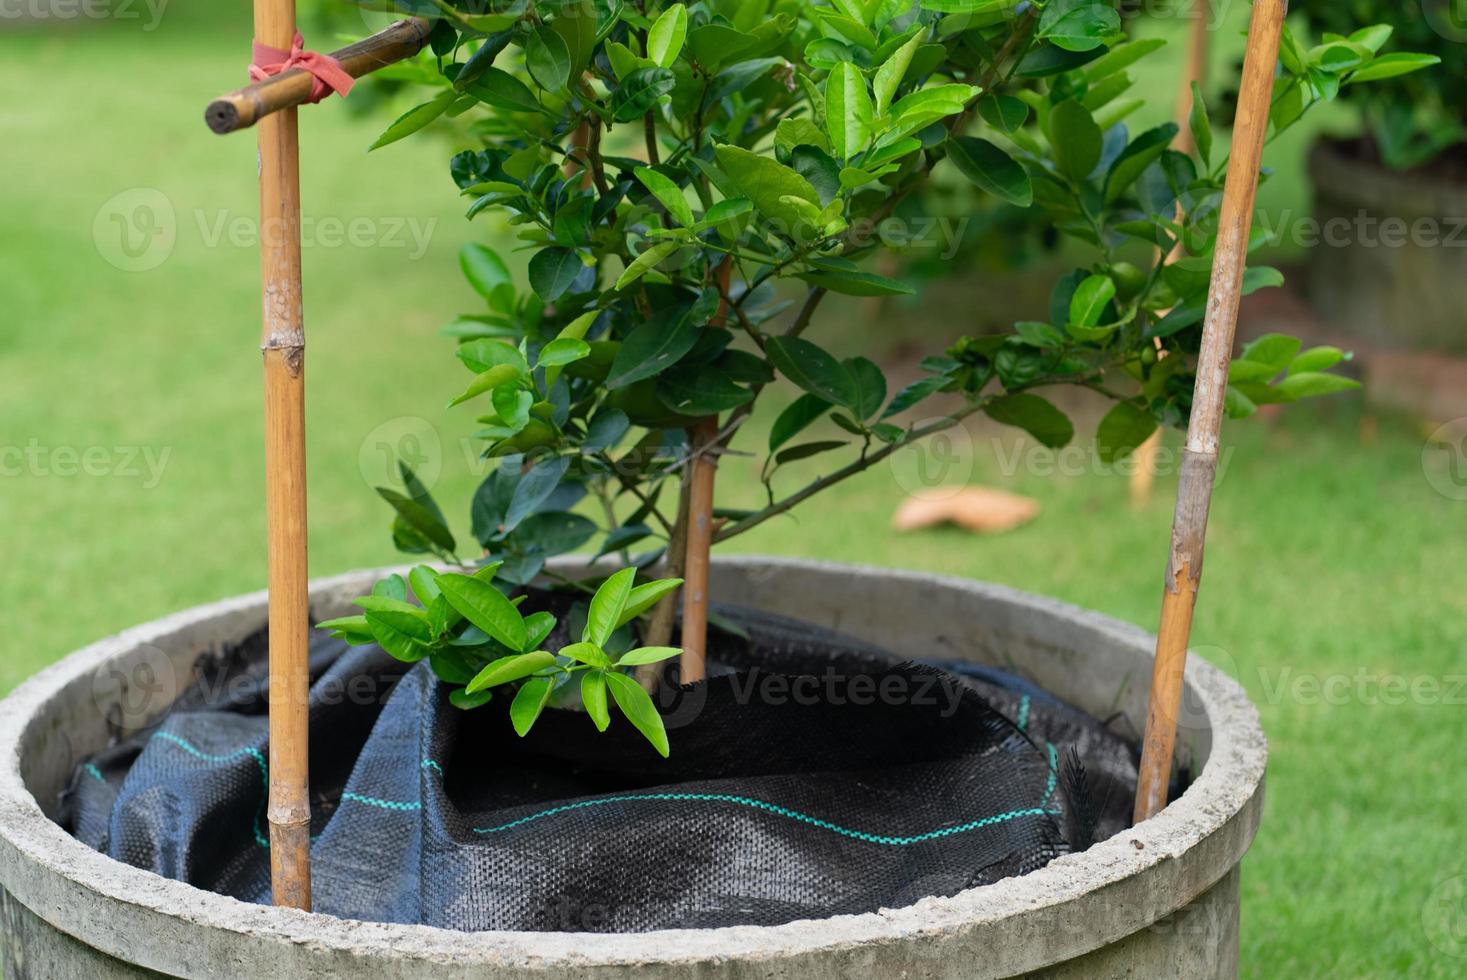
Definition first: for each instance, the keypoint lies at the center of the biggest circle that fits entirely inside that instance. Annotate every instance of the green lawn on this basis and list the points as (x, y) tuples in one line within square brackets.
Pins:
[(1331, 558)]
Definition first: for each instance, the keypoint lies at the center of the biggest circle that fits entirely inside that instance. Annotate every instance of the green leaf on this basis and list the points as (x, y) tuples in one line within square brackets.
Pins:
[(853, 282), (1141, 153), (669, 193), (800, 414), (700, 391), (767, 182), (988, 166), (486, 607), (1003, 112), (1121, 57), (420, 514), (352, 629), (913, 393), (1035, 416), (639, 709), (503, 91), (484, 270), (1392, 65), (508, 669), (481, 355), (812, 369), (467, 702), (1313, 384), (554, 532), (593, 685), (500, 374), (538, 626), (1083, 25), (1075, 138), (664, 43), (402, 634), (870, 386), (645, 262), (1317, 359), (648, 655), (640, 91), (424, 581), (1122, 429), (652, 348), (806, 450), (1039, 334), (1200, 125), (1276, 350), (548, 59), (415, 119), (1373, 37), (533, 695), (645, 596), (552, 271), (561, 351), (889, 76), (607, 606), (1090, 300), (533, 488), (586, 653)]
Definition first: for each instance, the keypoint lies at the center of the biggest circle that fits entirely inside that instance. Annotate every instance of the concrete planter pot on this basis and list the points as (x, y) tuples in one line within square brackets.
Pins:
[(1387, 265), (1158, 900)]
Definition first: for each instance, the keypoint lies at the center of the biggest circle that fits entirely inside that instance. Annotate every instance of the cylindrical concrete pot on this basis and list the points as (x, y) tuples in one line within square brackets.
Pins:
[(1388, 256), (1158, 900)]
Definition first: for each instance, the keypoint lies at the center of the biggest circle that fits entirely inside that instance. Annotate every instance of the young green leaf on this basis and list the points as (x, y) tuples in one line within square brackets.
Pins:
[(889, 76), (415, 119), (1090, 300), (640, 92), (506, 670), (665, 39), (607, 606), (647, 655), (587, 653), (593, 696), (467, 702), (645, 596), (486, 607), (645, 262), (533, 695), (669, 193), (561, 351), (639, 709), (767, 182), (1391, 66)]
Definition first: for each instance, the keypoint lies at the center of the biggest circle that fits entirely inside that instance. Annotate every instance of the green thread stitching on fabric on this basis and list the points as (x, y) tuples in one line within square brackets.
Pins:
[(95, 773), (383, 804), (430, 764), (1023, 721), (777, 810), (192, 750)]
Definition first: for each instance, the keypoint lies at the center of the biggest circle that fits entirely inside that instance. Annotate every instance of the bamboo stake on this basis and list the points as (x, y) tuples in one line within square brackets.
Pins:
[(247, 106), (1199, 459), (283, 343), (1143, 475)]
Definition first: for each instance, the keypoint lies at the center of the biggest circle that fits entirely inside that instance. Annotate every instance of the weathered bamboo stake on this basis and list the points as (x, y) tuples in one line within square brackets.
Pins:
[(1143, 475), (283, 343), (247, 106), (702, 475), (1199, 459)]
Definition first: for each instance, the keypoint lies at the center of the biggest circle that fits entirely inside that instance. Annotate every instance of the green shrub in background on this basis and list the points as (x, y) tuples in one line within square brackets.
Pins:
[(1411, 117)]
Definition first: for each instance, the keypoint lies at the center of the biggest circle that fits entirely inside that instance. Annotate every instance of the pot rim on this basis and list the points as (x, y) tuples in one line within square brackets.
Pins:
[(1115, 888)]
